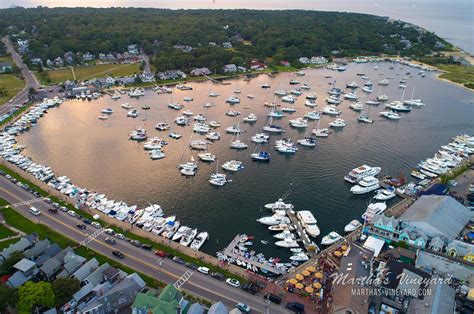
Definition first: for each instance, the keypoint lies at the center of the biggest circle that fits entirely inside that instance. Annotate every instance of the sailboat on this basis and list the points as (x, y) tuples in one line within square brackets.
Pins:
[(413, 102), (365, 117), (218, 179), (260, 155), (237, 144), (318, 132), (307, 141), (273, 128)]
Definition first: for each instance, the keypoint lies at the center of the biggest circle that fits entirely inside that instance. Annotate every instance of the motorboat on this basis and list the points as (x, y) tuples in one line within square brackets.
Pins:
[(294, 82), (138, 92), (280, 92), (154, 143), (218, 179), (133, 113), (398, 106), (335, 91), (357, 174), (213, 94), (275, 114), (162, 126), (188, 98), (279, 204), (237, 91), (384, 82), (175, 106), (296, 92), (289, 99), (373, 102), (310, 103), (390, 115), (213, 136), (372, 210), (330, 110), (103, 117), (287, 243), (214, 124), (364, 118), (288, 109), (260, 156), (281, 227), (170, 228), (206, 157), (356, 106), (180, 232), (232, 113), (307, 141), (107, 111), (299, 123), (321, 132), (138, 134), (333, 100), (234, 129), (198, 144), (233, 165), (331, 238), (184, 87), (402, 86), (200, 128), (200, 118), (338, 123), (312, 115), (286, 146), (260, 138), (352, 85), (175, 135), (366, 185), (418, 175), (188, 236), (233, 100), (182, 120), (187, 113), (385, 194), (199, 241), (413, 102), (311, 96), (308, 222), (351, 96), (207, 105), (156, 154), (115, 96), (383, 97), (146, 107), (299, 257), (353, 225), (238, 144), (305, 86), (250, 118), (273, 128), (188, 171), (368, 83), (367, 89), (265, 85)]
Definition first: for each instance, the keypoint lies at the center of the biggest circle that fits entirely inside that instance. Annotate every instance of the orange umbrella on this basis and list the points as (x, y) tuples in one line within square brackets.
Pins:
[(317, 285), (318, 275), (305, 273), (299, 277), (311, 269), (309, 289), (293, 281), (299, 286), (344, 247), (337, 253)]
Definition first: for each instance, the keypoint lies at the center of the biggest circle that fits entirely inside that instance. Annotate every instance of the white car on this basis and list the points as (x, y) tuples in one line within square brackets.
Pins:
[(120, 236), (233, 282), (109, 231), (203, 270), (95, 224), (35, 211), (71, 213)]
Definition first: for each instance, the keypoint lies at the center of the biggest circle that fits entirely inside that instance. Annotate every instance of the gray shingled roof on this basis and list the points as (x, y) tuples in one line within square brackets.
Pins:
[(37, 249), (19, 246), (24, 265), (86, 269), (97, 277), (218, 308), (17, 279), (437, 215)]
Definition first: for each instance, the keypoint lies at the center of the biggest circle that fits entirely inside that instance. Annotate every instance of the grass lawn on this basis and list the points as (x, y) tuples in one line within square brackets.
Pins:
[(5, 232), (458, 73), (10, 84), (5, 244), (94, 71)]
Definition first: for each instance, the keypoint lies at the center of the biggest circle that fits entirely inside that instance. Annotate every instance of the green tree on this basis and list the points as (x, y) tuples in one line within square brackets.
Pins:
[(64, 288), (32, 295), (8, 297), (7, 265), (237, 61)]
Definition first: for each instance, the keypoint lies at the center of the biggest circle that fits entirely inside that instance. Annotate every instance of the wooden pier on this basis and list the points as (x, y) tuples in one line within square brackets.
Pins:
[(309, 245), (228, 251)]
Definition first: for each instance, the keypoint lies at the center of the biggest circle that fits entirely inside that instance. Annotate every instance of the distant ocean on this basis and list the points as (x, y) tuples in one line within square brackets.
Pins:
[(449, 19)]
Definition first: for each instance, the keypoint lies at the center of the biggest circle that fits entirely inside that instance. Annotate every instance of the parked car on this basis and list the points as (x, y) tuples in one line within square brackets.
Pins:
[(109, 231), (118, 254), (147, 247), (53, 210), (81, 226), (35, 211), (160, 253), (71, 213), (243, 307), (136, 243), (203, 270), (295, 307), (87, 221), (178, 260), (110, 240), (119, 236), (250, 288), (47, 200), (233, 282), (95, 224), (218, 276), (273, 298), (63, 208)]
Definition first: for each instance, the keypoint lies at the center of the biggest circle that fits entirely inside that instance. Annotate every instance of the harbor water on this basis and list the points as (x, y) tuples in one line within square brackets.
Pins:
[(98, 155)]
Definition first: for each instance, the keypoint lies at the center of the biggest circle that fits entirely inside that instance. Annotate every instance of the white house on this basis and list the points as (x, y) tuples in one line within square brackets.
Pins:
[(230, 68)]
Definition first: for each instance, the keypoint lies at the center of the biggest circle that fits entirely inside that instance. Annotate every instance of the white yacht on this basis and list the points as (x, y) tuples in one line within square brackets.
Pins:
[(181, 231), (182, 120), (198, 144), (311, 96), (187, 113), (333, 100), (308, 222), (398, 106), (232, 113), (233, 129), (213, 136), (287, 243), (108, 111), (331, 110), (138, 134), (385, 194), (310, 103), (237, 143), (383, 97), (286, 234), (273, 128), (175, 106), (299, 257), (366, 185), (352, 85), (153, 143), (265, 85), (285, 146), (133, 113), (275, 114), (213, 94), (280, 92), (280, 204), (200, 128), (175, 135), (390, 115), (351, 96), (289, 99), (188, 98), (199, 240), (157, 154), (353, 225), (357, 174), (206, 157), (384, 82), (233, 100), (260, 138), (367, 89), (356, 106), (115, 96), (250, 118), (338, 123), (233, 165), (373, 102), (214, 124), (331, 238), (138, 92), (289, 109), (218, 179), (364, 118), (321, 132), (296, 92), (250, 96), (103, 117), (372, 210), (188, 236), (200, 118), (162, 126), (313, 115), (299, 123)]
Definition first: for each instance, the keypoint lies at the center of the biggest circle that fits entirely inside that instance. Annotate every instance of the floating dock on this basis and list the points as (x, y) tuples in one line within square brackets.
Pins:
[(228, 251), (309, 244)]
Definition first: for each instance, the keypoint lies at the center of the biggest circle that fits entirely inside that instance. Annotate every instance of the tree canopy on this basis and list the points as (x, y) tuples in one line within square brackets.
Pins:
[(7, 266), (33, 294), (64, 289)]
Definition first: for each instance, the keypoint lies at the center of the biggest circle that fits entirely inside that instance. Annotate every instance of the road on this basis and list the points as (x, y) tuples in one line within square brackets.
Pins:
[(30, 79), (136, 258)]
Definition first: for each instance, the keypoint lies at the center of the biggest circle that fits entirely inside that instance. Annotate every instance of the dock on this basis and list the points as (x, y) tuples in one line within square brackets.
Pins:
[(228, 251), (216, 81), (309, 245)]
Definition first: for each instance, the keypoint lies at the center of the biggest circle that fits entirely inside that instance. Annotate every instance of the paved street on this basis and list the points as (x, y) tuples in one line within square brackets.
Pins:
[(136, 258), (30, 79)]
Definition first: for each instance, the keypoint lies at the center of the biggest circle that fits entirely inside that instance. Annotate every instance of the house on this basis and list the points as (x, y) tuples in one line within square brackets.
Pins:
[(171, 75), (385, 228), (133, 49), (257, 65), (170, 301), (25, 270), (102, 56), (147, 77), (227, 45), (86, 269), (318, 60), (436, 244), (241, 69), (200, 72), (19, 246), (69, 57), (352, 266), (49, 63), (460, 249), (439, 300), (110, 57), (183, 48), (6, 67), (404, 279), (117, 297), (212, 43), (218, 308), (49, 252), (413, 237), (403, 255), (37, 62), (304, 60), (87, 57), (22, 46), (230, 68), (286, 64), (111, 274), (97, 276), (195, 308), (53, 265), (436, 216), (109, 80), (72, 262), (443, 265), (37, 249), (58, 62)]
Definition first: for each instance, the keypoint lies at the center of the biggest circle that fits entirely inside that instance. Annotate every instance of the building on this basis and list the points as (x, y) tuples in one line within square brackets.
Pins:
[(286, 64), (227, 45), (385, 228), (461, 249), (200, 72), (257, 65), (25, 270), (218, 308), (23, 46), (171, 75), (439, 300), (169, 301), (133, 49), (437, 216), (87, 57), (230, 68), (19, 246), (354, 265), (443, 265), (6, 67)]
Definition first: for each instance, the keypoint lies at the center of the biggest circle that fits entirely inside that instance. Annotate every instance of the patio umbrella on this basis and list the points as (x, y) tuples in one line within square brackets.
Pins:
[(293, 281), (299, 286), (309, 289), (311, 269), (338, 253), (317, 285), (344, 247), (305, 273), (299, 277), (318, 275)]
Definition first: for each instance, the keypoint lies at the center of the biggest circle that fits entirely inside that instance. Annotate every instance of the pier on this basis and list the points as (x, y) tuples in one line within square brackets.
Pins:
[(309, 245), (228, 251)]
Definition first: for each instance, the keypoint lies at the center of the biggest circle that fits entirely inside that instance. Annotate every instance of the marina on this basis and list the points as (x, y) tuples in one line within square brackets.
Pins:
[(139, 181)]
